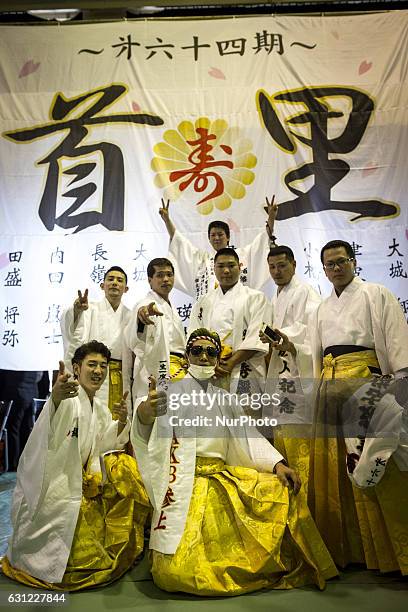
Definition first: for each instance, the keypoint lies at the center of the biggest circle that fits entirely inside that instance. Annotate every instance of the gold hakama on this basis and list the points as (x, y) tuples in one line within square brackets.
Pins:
[(109, 534), (178, 366), (369, 525), (115, 381), (244, 531)]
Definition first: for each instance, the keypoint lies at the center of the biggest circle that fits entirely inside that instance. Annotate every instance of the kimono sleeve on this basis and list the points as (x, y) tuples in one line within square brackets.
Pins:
[(258, 312), (254, 257), (383, 438), (74, 334), (302, 307), (248, 447), (395, 331), (110, 440), (309, 353), (48, 443), (187, 260), (196, 317)]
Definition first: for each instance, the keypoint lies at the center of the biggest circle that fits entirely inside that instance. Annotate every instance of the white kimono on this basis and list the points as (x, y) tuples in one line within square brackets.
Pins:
[(153, 454), (151, 348), (237, 317), (386, 433), (291, 310), (100, 322), (195, 267), (365, 314), (48, 492)]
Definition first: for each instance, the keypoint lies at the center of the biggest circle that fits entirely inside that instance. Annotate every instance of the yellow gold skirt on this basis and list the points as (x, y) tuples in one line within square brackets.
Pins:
[(370, 525), (178, 367), (244, 532), (109, 534), (115, 382)]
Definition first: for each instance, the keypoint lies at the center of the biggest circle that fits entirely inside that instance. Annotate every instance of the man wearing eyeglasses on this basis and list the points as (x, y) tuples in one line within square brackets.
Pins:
[(236, 313), (358, 331), (154, 337)]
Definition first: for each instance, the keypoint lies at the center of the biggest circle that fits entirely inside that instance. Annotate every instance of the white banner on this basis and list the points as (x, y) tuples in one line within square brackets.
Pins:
[(100, 121)]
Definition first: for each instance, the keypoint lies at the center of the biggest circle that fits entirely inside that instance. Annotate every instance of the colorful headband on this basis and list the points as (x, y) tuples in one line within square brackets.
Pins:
[(214, 341)]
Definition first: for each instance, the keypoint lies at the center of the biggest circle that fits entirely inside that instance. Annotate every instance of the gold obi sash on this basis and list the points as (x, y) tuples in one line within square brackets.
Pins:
[(226, 351), (350, 365)]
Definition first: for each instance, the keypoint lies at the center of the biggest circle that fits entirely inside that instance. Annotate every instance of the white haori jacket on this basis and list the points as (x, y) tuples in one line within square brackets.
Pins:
[(247, 309), (386, 434), (195, 267), (48, 491), (150, 349), (365, 314), (100, 322), (166, 460)]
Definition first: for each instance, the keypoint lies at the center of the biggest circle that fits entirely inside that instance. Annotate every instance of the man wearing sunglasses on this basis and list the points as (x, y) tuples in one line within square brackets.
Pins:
[(154, 338), (358, 331), (221, 508), (236, 313)]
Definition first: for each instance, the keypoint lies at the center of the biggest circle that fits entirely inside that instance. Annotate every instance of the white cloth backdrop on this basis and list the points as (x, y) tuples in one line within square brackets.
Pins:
[(214, 114)]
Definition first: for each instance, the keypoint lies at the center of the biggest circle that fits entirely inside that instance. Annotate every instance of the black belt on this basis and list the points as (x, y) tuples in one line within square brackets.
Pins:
[(343, 349), (115, 360)]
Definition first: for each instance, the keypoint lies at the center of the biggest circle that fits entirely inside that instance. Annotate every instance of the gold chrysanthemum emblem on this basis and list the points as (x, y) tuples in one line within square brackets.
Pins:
[(207, 160)]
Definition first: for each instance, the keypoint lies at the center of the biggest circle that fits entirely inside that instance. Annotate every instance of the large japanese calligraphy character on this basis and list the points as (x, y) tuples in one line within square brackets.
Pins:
[(208, 158), (201, 161), (75, 129), (319, 115)]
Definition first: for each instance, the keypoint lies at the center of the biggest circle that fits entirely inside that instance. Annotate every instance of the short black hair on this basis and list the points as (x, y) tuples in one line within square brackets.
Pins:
[(203, 333), (160, 262), (335, 244), (282, 250), (221, 225), (227, 251), (91, 347), (116, 269)]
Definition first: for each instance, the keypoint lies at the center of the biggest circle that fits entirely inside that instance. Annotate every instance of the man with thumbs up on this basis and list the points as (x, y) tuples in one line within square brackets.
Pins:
[(104, 321), (68, 482), (154, 336)]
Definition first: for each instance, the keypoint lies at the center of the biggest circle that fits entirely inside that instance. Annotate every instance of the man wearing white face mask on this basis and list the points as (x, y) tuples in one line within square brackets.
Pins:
[(214, 514)]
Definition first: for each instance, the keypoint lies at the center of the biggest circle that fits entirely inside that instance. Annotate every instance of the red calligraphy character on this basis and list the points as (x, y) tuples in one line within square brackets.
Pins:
[(161, 520), (202, 160)]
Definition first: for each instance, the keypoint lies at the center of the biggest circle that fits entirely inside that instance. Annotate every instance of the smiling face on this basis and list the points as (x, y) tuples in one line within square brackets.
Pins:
[(227, 270), (218, 238), (203, 358), (281, 269), (91, 373), (162, 281), (114, 286), (339, 267)]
